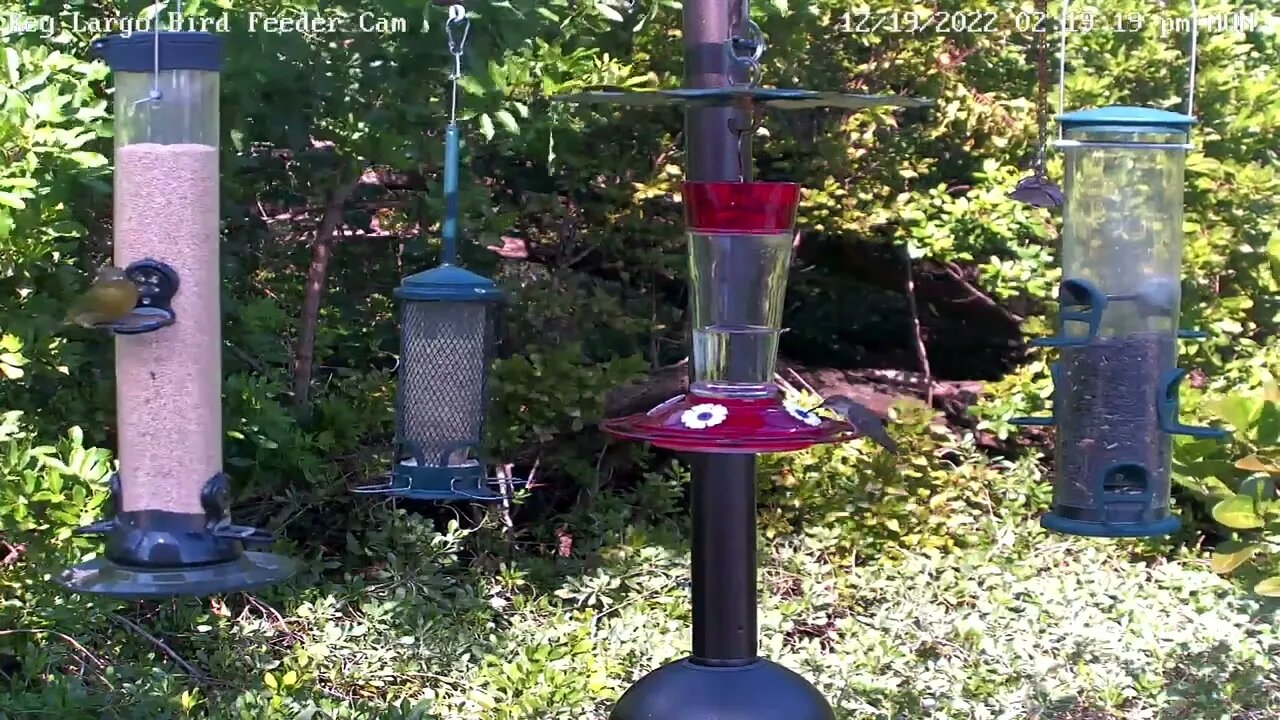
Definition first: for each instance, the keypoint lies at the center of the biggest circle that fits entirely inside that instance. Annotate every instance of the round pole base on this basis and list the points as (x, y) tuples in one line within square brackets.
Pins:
[(683, 690), (100, 576)]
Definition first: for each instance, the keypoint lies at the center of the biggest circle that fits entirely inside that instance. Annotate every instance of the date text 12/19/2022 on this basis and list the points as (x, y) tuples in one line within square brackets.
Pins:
[(865, 21)]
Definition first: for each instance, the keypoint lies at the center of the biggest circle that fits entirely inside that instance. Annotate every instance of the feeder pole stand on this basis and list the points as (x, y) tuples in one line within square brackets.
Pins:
[(724, 679), (723, 493)]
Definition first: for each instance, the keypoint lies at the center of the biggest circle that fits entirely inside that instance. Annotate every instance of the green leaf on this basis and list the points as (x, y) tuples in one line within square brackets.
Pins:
[(269, 680), (14, 63), (609, 12), (1237, 512), (1229, 556), (1239, 410), (508, 121), (1269, 587), (11, 200), (486, 126), (88, 159)]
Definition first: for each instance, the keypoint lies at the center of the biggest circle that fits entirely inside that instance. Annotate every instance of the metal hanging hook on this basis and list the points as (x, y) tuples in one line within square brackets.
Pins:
[(745, 46), (457, 45), (1037, 190)]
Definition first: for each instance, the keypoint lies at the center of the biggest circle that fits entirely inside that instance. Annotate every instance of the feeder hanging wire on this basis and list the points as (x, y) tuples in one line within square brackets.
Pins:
[(457, 44), (1062, 61)]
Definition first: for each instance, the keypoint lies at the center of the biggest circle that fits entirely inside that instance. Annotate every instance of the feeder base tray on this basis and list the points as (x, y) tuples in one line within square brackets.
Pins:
[(472, 495), (705, 424), (100, 576), (1068, 526), (683, 690)]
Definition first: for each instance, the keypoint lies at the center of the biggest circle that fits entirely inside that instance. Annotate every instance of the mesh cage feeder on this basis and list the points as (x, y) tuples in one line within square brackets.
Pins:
[(1116, 381), (167, 528), (448, 336)]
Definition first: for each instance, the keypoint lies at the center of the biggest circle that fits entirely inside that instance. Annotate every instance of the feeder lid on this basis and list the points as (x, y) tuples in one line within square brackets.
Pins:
[(780, 98), (1127, 118), (695, 423), (450, 283), (136, 52)]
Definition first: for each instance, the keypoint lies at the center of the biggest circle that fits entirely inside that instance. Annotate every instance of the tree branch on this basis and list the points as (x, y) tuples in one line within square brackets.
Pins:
[(317, 274)]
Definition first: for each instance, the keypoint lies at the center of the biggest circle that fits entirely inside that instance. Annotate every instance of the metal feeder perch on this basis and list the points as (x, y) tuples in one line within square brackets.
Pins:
[(1116, 382), (447, 341), (168, 530), (740, 240)]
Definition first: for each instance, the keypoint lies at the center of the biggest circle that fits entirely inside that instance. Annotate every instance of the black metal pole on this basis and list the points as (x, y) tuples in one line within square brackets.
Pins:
[(723, 569), (724, 486)]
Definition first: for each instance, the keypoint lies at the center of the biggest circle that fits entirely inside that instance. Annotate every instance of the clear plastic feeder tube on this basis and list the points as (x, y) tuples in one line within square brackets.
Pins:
[(1122, 222), (169, 382), (740, 240), (1122, 251)]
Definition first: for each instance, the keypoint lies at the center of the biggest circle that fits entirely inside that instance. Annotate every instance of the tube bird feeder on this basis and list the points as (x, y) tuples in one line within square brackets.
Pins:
[(1116, 381), (168, 529)]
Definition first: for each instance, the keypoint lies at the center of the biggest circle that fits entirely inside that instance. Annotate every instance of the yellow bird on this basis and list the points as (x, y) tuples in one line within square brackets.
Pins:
[(111, 298)]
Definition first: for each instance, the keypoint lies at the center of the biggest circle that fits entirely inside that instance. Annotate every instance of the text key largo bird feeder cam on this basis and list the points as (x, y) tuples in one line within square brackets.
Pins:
[(168, 530)]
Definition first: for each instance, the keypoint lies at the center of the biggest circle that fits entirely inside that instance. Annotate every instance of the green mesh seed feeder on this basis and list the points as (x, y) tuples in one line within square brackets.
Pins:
[(448, 335)]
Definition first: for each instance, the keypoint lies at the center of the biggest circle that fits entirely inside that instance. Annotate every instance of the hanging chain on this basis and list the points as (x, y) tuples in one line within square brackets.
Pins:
[(1191, 82), (745, 49), (1042, 88), (1062, 63), (457, 17)]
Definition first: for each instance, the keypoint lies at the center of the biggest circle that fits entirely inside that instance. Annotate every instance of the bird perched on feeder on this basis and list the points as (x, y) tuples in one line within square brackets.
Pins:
[(861, 418), (111, 298)]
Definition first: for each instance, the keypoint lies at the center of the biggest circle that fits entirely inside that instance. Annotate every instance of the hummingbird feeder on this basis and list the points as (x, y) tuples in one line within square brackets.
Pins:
[(740, 237), (1116, 381), (447, 342), (168, 529)]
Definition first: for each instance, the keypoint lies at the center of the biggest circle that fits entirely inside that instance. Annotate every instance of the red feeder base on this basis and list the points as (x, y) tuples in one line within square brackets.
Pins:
[(696, 423)]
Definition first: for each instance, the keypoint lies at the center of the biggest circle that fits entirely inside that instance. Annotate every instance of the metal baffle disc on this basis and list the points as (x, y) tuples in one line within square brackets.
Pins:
[(779, 98), (103, 577)]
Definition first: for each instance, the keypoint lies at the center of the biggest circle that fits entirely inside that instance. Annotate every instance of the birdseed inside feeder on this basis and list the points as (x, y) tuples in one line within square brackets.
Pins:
[(1116, 383), (168, 529), (740, 237)]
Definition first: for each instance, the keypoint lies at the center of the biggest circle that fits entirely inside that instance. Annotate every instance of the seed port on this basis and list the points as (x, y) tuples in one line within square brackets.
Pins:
[(1128, 479), (157, 284)]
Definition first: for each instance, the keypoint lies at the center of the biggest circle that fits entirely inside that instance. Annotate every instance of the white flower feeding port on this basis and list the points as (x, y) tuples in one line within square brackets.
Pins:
[(700, 417), (805, 416)]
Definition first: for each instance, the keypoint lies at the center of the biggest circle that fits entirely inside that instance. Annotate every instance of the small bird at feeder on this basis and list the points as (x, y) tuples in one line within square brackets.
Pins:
[(111, 298), (861, 418)]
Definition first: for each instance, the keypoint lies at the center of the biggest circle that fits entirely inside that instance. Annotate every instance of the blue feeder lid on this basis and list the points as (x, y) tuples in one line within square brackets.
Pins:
[(136, 52), (448, 283), (1127, 118)]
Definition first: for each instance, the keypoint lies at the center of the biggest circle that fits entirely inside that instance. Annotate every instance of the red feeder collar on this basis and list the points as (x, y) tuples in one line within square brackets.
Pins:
[(695, 423), (740, 207)]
